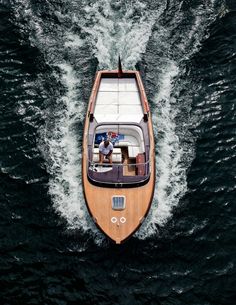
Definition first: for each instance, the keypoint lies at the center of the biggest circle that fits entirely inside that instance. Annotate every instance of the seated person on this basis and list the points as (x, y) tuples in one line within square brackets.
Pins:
[(105, 150)]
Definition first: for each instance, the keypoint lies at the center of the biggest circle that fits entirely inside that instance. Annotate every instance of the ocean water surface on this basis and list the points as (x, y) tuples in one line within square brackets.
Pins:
[(185, 251)]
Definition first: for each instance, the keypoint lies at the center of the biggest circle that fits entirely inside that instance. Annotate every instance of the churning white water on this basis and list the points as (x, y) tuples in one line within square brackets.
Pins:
[(170, 173)]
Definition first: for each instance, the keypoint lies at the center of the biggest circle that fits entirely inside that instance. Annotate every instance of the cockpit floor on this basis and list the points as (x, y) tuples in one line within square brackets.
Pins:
[(129, 163)]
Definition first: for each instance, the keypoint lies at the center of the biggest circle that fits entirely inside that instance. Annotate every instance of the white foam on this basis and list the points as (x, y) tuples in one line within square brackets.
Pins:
[(65, 156), (171, 172), (64, 160), (73, 41), (116, 32)]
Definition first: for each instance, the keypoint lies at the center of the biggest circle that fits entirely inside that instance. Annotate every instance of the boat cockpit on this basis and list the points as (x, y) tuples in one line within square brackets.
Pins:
[(130, 157)]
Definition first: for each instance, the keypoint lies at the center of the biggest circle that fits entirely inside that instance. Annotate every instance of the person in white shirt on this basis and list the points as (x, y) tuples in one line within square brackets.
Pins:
[(105, 151)]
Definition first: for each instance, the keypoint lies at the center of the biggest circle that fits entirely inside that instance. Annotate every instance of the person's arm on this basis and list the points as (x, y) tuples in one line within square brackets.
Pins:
[(111, 150), (101, 147)]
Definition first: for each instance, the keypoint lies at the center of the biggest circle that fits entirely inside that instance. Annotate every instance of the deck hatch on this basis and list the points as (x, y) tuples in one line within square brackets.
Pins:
[(118, 202)]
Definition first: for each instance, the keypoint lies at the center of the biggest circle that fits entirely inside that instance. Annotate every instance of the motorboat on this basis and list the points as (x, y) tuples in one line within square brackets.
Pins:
[(119, 193)]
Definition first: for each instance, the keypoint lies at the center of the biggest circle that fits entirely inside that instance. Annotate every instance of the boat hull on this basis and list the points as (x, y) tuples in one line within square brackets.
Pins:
[(118, 225)]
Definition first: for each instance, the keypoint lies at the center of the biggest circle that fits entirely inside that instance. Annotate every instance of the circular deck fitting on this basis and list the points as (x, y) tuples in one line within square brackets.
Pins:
[(113, 219), (122, 219)]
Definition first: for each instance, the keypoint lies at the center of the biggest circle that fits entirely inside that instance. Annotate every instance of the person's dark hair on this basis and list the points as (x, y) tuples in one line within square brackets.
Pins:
[(106, 143)]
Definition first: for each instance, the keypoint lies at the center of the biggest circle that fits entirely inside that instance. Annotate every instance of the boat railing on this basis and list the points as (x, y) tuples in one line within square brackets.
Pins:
[(121, 172), (91, 163)]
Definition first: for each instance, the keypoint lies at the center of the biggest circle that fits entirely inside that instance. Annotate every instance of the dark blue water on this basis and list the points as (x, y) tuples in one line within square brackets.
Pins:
[(50, 251)]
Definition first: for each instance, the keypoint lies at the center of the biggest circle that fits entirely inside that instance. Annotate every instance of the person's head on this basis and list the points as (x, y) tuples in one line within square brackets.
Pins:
[(106, 143)]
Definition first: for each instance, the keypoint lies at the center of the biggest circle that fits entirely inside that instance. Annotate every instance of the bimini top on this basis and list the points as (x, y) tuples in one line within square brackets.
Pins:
[(118, 100)]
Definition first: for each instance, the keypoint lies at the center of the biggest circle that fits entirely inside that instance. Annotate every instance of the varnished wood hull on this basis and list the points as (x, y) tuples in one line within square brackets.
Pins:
[(98, 199)]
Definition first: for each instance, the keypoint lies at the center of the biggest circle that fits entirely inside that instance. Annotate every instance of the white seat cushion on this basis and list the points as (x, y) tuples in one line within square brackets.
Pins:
[(127, 84), (109, 84), (131, 140), (115, 150), (118, 100), (107, 98), (133, 151), (118, 118), (122, 143), (116, 155), (129, 98), (115, 158)]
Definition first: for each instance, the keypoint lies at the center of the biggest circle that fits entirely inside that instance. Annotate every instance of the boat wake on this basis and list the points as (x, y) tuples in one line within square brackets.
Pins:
[(116, 28), (64, 154), (171, 177), (138, 31)]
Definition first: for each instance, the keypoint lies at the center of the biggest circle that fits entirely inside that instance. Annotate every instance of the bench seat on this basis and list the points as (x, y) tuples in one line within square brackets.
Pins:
[(116, 155)]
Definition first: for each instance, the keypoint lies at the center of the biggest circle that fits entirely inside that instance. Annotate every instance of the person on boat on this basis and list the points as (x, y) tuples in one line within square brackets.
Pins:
[(105, 151)]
